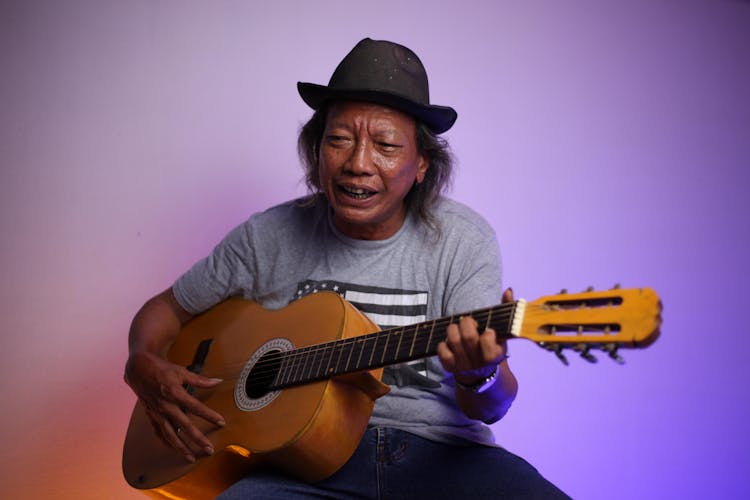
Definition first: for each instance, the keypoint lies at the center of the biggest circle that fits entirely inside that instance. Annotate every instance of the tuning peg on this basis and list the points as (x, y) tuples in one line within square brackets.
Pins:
[(611, 350), (589, 289), (617, 286), (563, 291), (583, 350), (557, 349)]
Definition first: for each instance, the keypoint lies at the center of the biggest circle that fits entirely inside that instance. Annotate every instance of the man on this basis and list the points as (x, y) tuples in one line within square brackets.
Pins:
[(377, 231)]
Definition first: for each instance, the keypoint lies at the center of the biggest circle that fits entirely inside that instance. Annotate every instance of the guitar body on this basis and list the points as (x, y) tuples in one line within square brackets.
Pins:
[(307, 430)]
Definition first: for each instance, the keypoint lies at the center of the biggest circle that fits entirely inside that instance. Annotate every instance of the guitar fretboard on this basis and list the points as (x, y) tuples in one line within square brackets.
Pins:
[(374, 350)]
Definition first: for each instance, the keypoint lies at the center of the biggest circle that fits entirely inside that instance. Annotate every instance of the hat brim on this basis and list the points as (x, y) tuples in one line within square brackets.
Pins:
[(437, 118)]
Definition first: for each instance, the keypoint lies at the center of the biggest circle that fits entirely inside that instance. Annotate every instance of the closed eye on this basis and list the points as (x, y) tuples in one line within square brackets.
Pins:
[(337, 141), (387, 146)]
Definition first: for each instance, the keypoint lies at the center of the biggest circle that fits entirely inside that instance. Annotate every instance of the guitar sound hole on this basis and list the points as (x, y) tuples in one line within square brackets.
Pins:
[(263, 374)]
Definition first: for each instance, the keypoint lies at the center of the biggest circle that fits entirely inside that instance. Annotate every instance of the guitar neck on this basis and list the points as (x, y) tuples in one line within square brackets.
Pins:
[(386, 347)]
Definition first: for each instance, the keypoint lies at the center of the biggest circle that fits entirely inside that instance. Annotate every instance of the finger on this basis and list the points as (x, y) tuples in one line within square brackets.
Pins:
[(168, 434), (174, 407), (446, 357), (454, 342), (177, 437), (189, 434), (177, 394), (200, 381), (179, 426), (489, 348), (177, 415), (508, 295), (470, 342), (192, 405)]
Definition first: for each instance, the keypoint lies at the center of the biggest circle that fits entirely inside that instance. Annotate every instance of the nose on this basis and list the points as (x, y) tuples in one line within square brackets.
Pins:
[(360, 162)]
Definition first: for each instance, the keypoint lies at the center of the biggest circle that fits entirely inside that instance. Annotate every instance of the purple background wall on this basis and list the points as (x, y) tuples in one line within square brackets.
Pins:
[(605, 141)]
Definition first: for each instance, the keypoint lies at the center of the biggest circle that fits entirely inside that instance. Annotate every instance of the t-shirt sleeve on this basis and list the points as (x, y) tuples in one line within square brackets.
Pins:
[(475, 281), (227, 271)]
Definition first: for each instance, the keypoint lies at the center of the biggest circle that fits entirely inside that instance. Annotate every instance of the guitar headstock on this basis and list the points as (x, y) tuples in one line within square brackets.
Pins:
[(605, 320)]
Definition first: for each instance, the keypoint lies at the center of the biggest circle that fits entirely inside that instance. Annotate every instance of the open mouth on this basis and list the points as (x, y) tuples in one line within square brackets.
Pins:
[(357, 193)]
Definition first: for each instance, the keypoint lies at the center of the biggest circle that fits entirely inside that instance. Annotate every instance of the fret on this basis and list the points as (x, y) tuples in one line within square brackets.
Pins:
[(283, 372), (325, 358), (429, 339), (361, 341), (391, 354), (277, 364), (403, 346), (314, 361), (301, 365), (349, 358), (272, 364), (380, 348), (322, 350), (304, 362), (328, 349), (398, 347), (308, 361), (372, 349), (293, 366), (414, 339), (489, 318), (320, 355), (341, 345), (385, 349)]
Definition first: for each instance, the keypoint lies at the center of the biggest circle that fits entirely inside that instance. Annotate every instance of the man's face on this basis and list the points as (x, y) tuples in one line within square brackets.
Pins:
[(368, 163)]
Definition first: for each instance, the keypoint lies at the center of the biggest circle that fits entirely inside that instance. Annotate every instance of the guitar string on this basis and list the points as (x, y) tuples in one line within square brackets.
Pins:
[(265, 370), (312, 350), (302, 358), (316, 348), (300, 367)]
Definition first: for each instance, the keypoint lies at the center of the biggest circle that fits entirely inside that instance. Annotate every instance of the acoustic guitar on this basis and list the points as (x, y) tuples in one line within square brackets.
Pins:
[(299, 384)]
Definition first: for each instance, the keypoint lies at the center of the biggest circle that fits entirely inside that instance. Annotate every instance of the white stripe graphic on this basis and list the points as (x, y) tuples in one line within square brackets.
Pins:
[(389, 319), (414, 299)]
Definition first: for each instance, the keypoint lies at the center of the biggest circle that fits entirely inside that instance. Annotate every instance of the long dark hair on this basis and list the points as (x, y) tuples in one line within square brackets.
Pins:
[(420, 198)]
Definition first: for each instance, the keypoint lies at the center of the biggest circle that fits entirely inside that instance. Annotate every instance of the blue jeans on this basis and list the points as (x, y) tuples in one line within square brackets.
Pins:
[(393, 464)]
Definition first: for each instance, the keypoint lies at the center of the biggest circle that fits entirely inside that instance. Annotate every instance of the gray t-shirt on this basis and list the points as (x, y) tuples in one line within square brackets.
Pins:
[(418, 274)]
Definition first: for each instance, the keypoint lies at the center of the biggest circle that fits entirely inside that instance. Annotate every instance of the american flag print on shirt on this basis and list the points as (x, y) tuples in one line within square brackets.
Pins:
[(387, 308)]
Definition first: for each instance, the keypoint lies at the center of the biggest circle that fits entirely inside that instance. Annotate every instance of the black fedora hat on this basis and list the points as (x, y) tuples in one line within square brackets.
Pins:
[(384, 73)]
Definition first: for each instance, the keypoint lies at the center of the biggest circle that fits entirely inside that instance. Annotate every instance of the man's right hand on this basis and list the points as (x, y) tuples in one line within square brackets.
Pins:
[(160, 384)]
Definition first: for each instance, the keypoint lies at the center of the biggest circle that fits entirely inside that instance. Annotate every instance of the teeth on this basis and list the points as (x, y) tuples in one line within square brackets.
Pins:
[(357, 192)]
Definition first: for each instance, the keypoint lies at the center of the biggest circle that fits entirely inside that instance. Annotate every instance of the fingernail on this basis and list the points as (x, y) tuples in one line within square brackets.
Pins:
[(221, 423), (216, 380), (190, 458), (209, 450)]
